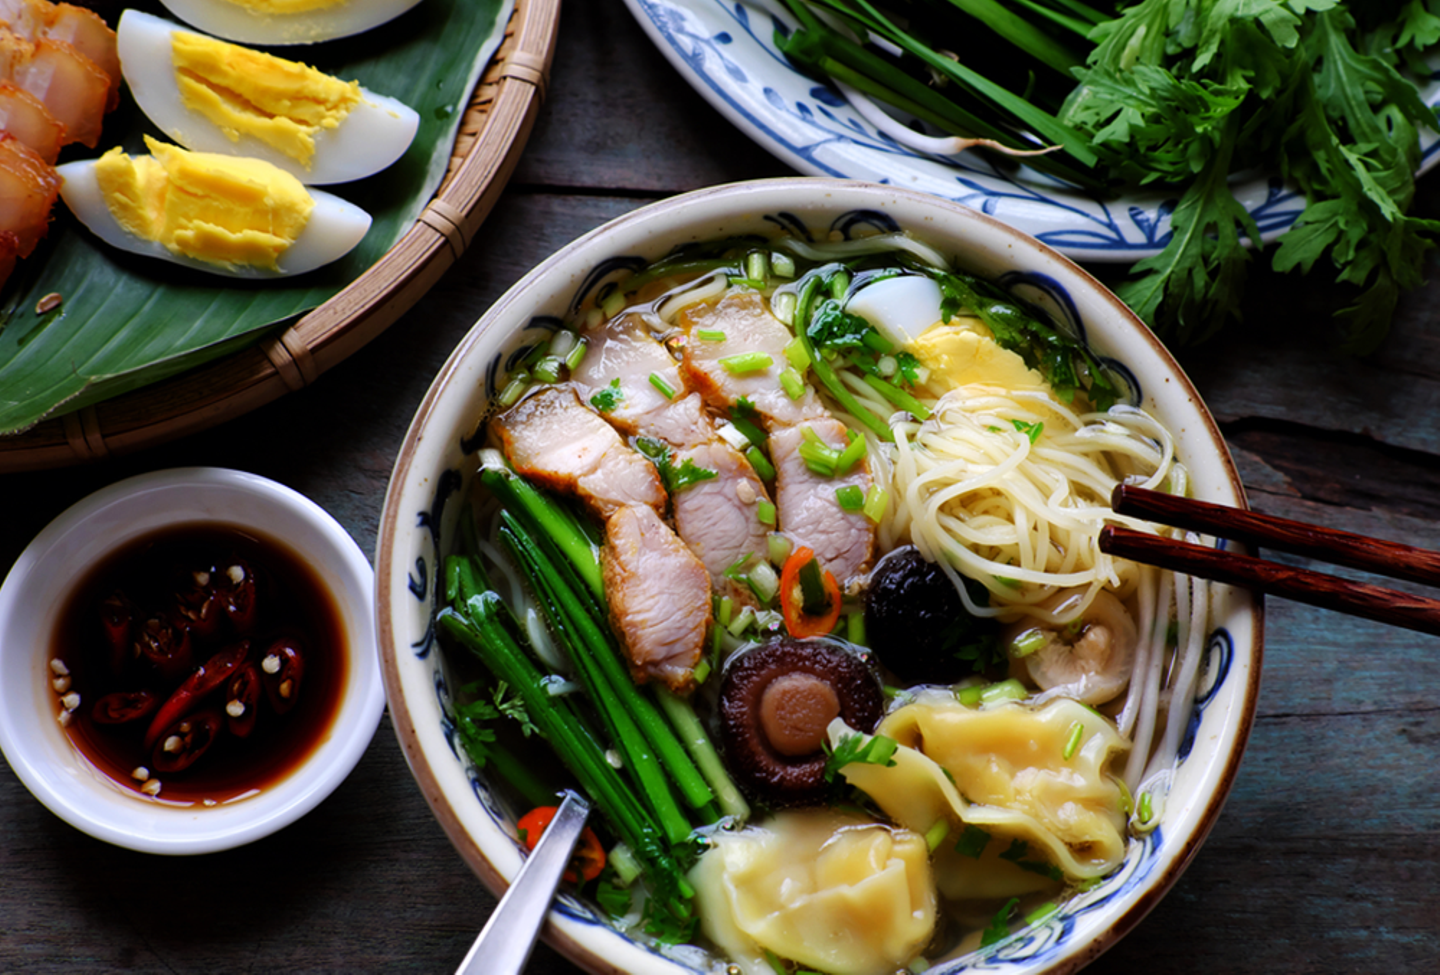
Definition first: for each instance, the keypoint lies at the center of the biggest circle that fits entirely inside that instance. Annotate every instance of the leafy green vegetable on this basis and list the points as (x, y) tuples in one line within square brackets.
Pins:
[(128, 321), (1182, 94), (861, 749), (999, 927)]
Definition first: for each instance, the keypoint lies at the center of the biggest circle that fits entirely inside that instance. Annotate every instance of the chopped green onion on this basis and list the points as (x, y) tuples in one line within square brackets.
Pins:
[(1027, 643), (562, 343), (709, 335), (724, 613), (782, 265), (877, 500), (855, 628), (742, 619), (936, 834), (611, 302), (852, 453), (547, 370), (576, 355), (1072, 745), (1042, 912), (764, 582), (839, 283), (659, 383), (819, 456), (778, 548), (763, 468), (518, 383), (746, 362), (797, 354), (850, 497), (1001, 692), (782, 306), (744, 422), (765, 512), (757, 266), (701, 671), (791, 382), (1145, 809)]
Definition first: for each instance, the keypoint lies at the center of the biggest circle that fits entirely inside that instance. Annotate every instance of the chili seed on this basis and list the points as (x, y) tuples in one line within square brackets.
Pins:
[(71, 701), (271, 664), (151, 787), (61, 684), (57, 666), (140, 773), (235, 708)]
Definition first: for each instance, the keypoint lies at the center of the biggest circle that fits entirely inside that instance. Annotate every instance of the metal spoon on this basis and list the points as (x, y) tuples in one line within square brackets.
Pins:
[(505, 943)]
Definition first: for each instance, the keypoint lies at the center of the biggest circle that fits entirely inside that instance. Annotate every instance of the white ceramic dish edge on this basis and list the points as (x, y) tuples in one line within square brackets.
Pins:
[(30, 736)]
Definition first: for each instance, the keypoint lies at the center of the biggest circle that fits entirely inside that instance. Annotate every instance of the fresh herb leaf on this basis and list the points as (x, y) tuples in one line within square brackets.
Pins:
[(972, 841), (676, 477), (860, 749), (999, 927), (608, 398), (1017, 852)]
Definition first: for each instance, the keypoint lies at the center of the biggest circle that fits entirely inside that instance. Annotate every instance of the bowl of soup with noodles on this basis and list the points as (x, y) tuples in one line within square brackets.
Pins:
[(766, 518)]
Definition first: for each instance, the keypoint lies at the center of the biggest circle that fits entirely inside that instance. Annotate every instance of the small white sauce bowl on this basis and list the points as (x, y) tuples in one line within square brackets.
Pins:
[(41, 582)]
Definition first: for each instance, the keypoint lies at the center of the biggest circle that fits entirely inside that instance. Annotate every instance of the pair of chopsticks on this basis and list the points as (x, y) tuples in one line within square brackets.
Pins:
[(1329, 545)]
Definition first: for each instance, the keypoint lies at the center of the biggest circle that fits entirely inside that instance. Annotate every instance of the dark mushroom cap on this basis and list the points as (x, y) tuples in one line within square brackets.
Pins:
[(775, 701), (915, 621)]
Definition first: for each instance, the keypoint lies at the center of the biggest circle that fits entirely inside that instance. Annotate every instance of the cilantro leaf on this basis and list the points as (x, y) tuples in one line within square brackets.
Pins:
[(1017, 852), (608, 398), (676, 477), (859, 749), (999, 927)]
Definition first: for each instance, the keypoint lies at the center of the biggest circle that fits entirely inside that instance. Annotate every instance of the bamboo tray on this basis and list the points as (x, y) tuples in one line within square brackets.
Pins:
[(492, 134)]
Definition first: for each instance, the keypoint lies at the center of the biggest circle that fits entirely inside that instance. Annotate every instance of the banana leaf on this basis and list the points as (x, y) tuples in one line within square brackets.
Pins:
[(127, 321)]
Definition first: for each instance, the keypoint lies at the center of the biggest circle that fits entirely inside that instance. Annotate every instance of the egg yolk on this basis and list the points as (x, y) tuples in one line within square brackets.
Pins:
[(286, 6), (282, 103), (963, 352), (225, 210)]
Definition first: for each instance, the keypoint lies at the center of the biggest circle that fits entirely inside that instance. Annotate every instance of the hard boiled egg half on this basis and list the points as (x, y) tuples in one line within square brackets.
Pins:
[(286, 21), (212, 96), (222, 214)]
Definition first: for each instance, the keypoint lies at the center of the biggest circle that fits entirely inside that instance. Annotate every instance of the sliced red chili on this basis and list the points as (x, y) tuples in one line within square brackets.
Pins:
[(117, 622), (237, 594), (185, 741), (242, 699), (122, 707), (800, 620), (198, 601), (589, 857), (164, 642), (282, 670), (188, 696)]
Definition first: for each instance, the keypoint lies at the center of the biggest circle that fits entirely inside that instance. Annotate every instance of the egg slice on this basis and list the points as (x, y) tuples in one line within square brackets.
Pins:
[(900, 308), (332, 228), (211, 96), (286, 21)]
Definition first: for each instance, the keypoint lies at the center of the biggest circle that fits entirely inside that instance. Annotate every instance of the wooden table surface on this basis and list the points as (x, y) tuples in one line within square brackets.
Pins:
[(1326, 858)]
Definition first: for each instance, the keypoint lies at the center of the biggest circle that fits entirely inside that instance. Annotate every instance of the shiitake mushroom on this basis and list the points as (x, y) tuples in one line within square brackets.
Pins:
[(918, 626), (775, 703)]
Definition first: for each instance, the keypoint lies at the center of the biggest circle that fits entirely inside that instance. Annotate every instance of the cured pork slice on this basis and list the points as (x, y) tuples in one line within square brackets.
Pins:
[(747, 327), (71, 86), (553, 439), (808, 509), (25, 117), (84, 30), (659, 595), (28, 188)]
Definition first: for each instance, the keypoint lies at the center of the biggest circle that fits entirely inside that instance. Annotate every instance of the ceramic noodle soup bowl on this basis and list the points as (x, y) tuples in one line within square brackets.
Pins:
[(988, 874)]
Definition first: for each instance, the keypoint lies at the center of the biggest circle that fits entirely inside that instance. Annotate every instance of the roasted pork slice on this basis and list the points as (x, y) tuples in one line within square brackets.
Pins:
[(741, 325), (627, 374), (719, 517), (809, 511), (552, 438), (83, 29), (659, 595)]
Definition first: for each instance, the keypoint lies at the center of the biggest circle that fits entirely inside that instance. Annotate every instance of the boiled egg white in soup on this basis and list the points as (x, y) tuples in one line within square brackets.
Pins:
[(212, 96), (226, 215), (273, 22)]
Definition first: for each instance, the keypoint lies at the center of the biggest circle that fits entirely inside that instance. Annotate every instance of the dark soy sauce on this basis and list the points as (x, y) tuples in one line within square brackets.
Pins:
[(289, 599)]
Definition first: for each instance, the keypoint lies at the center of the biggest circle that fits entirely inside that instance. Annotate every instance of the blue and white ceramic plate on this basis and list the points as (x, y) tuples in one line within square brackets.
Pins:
[(726, 50), (437, 462)]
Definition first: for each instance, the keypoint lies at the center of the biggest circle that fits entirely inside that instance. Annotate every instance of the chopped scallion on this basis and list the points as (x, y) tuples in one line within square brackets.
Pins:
[(791, 382), (877, 501), (765, 512), (797, 354), (782, 265), (763, 468), (1072, 744), (709, 335), (659, 383), (746, 362), (852, 453), (850, 497), (547, 370)]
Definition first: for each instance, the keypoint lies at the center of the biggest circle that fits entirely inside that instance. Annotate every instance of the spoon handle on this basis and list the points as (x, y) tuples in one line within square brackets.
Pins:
[(505, 942)]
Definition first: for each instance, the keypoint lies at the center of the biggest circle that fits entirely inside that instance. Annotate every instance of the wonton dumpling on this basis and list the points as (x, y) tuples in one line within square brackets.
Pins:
[(1007, 774), (834, 892)]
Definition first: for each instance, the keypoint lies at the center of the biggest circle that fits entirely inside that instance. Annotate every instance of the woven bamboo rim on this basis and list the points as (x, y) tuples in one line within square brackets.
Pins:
[(492, 134)]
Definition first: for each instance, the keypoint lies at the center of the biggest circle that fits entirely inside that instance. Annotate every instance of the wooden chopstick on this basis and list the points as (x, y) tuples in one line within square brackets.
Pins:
[(1302, 585)]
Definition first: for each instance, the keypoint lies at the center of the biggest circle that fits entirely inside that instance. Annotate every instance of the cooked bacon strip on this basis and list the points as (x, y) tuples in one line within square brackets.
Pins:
[(659, 595), (553, 439), (747, 326), (810, 513)]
